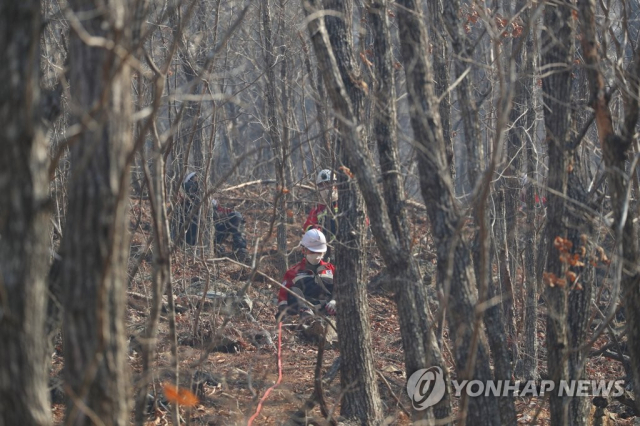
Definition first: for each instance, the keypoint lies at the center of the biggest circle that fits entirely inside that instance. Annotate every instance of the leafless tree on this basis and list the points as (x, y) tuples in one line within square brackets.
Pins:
[(24, 220), (95, 244)]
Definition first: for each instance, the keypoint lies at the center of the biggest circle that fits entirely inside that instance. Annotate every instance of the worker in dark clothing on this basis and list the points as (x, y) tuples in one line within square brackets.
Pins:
[(190, 208), (230, 222), (226, 221)]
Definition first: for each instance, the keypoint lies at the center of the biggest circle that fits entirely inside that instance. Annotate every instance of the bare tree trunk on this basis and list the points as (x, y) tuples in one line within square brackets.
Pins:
[(494, 316), (384, 129), (418, 339), (556, 60), (95, 248), (280, 150), (357, 367), (466, 101), (440, 57), (579, 224), (161, 265), (321, 111), (24, 221), (455, 271), (287, 83), (522, 53), (530, 350), (615, 149)]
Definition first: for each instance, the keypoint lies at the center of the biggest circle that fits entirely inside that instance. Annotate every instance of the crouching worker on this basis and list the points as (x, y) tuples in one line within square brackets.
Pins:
[(229, 222), (311, 279)]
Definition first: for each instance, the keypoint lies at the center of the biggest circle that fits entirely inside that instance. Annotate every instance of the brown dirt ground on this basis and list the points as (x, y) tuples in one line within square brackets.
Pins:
[(240, 378)]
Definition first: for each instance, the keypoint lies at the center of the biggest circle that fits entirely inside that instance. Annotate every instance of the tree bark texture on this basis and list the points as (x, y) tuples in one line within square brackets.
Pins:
[(530, 349), (161, 275), (24, 220), (454, 263), (494, 317), (418, 338), (95, 246), (279, 148), (384, 129), (615, 148), (556, 59), (466, 101), (580, 232), (440, 57), (362, 401)]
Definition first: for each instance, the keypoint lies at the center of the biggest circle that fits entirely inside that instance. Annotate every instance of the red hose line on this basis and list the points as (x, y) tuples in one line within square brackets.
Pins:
[(266, 394)]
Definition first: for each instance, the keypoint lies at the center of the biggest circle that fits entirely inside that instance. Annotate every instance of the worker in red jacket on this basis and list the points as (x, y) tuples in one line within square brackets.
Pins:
[(311, 279), (526, 184), (321, 217)]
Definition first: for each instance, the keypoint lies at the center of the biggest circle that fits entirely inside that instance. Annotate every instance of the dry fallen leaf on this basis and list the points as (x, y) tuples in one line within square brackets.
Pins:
[(180, 396)]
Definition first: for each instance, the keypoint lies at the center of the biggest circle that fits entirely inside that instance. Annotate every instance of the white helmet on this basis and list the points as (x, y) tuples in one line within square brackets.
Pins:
[(315, 241), (189, 177), (325, 176)]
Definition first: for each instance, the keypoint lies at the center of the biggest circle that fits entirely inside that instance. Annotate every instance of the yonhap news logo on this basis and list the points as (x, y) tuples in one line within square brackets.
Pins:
[(426, 387)]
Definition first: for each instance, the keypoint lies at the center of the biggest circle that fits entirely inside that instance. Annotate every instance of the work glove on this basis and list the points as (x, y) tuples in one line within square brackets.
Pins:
[(330, 308)]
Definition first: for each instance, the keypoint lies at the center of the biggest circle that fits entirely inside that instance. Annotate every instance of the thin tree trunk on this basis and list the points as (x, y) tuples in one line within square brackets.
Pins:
[(454, 264), (615, 149), (161, 269), (384, 129), (580, 233), (494, 317), (530, 352), (280, 151), (418, 339), (556, 59), (440, 57), (466, 101)]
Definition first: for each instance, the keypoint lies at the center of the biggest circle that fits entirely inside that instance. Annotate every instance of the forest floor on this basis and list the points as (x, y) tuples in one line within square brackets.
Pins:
[(231, 379)]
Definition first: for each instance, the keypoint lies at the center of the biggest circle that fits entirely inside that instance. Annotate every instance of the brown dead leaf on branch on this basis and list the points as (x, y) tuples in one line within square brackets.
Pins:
[(346, 171), (562, 245), (367, 62)]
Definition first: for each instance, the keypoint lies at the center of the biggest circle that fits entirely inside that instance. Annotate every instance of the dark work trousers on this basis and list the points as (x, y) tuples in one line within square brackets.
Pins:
[(188, 214), (230, 224)]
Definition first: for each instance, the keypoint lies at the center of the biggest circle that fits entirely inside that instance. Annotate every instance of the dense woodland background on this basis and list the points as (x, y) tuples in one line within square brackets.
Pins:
[(492, 145)]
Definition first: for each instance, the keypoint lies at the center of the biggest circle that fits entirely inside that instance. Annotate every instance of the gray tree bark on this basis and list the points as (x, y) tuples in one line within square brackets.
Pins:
[(466, 100), (440, 58), (24, 220), (95, 244), (354, 333), (278, 146), (530, 348), (455, 270), (556, 85), (418, 339), (615, 148)]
